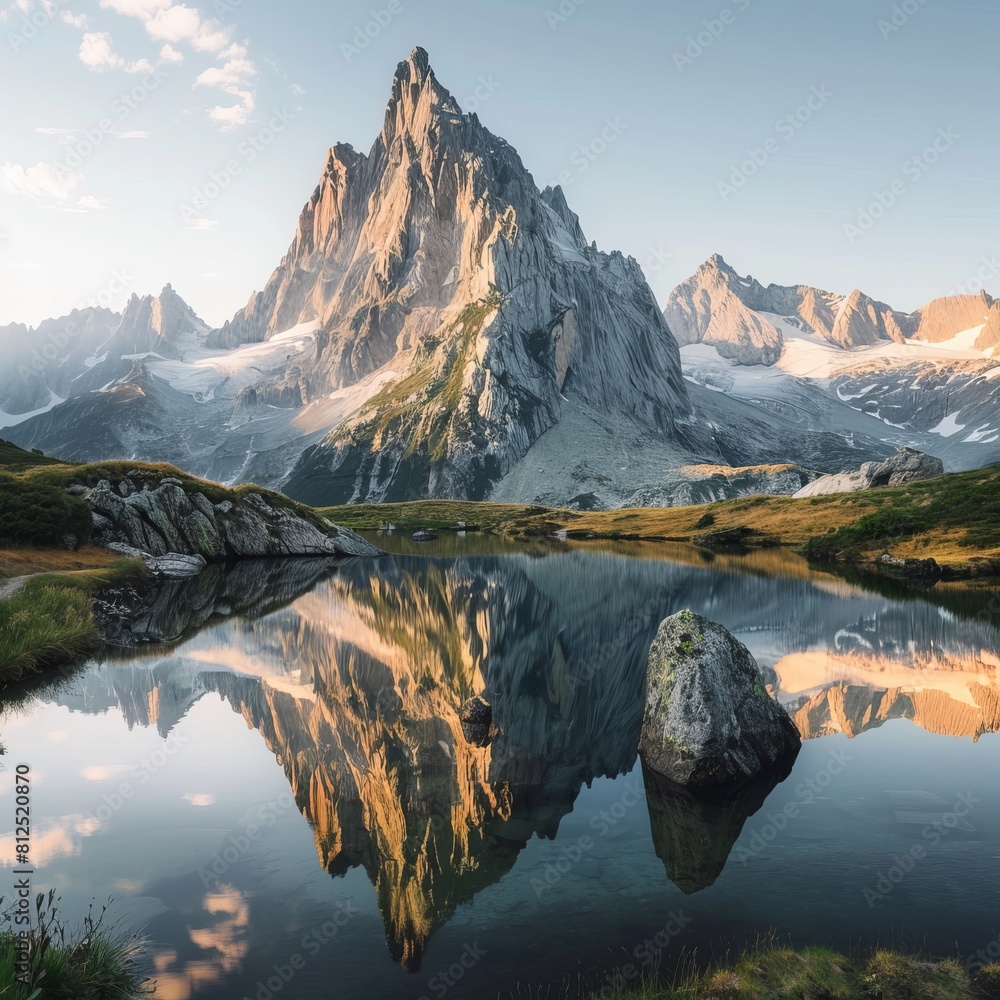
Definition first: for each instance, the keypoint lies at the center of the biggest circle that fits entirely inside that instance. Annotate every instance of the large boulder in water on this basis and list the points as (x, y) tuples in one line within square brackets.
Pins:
[(709, 719)]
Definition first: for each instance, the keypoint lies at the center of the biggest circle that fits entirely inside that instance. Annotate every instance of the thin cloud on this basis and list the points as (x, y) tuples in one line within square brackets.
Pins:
[(88, 203), (97, 53), (178, 23), (44, 183)]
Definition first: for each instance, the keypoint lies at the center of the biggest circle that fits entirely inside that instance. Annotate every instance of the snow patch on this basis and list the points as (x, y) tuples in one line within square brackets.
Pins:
[(12, 420), (949, 427)]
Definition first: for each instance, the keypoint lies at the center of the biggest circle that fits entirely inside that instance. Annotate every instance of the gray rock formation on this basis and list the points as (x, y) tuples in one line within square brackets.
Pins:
[(172, 517), (709, 719), (906, 466), (692, 485)]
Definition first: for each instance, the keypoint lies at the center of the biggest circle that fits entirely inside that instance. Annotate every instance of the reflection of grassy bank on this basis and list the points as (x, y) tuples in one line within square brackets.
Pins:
[(96, 964), (814, 973)]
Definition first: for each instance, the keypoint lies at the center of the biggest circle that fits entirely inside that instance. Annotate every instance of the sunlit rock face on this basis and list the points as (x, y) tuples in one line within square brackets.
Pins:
[(436, 265), (355, 676)]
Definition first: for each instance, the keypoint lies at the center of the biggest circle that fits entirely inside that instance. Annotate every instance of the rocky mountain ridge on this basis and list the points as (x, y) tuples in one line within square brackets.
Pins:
[(749, 323)]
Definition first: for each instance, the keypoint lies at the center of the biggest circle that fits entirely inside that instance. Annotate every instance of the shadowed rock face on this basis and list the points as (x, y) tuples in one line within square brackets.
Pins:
[(361, 684)]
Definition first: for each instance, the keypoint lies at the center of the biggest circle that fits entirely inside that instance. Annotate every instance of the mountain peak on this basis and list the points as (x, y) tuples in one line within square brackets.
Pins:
[(416, 100)]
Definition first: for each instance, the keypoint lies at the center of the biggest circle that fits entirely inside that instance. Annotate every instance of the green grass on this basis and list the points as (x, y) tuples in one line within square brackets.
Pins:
[(41, 625), (95, 964), (422, 407), (36, 513), (822, 974), (50, 620), (954, 519)]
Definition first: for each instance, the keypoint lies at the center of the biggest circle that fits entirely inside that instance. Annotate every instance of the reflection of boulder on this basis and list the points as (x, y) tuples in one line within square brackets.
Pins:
[(709, 720), (355, 676), (694, 832)]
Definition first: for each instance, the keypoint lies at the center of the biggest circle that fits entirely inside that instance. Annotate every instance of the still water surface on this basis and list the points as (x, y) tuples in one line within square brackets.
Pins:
[(288, 791)]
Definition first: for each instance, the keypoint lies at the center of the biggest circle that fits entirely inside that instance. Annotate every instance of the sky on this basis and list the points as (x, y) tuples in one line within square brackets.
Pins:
[(848, 145)]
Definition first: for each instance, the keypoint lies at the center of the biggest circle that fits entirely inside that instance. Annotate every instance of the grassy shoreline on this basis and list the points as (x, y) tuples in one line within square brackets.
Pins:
[(47, 961), (49, 620), (815, 974), (954, 520)]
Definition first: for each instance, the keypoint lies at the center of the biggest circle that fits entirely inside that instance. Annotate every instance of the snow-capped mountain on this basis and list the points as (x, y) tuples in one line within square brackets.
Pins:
[(440, 327), (928, 379), (749, 323), (39, 365)]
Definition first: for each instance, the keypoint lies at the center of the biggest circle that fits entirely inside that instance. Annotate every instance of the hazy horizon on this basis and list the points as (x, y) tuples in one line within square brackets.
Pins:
[(833, 107)]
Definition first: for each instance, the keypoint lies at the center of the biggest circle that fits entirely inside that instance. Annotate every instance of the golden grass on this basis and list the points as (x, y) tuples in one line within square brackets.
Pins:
[(27, 562)]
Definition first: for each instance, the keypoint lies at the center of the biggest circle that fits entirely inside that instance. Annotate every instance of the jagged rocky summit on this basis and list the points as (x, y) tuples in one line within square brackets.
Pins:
[(709, 720)]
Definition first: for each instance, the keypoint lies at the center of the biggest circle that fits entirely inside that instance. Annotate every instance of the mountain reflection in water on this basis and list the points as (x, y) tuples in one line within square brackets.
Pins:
[(356, 685)]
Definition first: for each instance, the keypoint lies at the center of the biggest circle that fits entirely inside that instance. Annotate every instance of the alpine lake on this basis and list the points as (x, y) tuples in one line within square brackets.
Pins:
[(270, 779)]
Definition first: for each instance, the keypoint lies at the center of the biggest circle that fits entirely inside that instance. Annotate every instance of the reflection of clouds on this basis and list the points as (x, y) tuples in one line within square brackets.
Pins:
[(200, 799), (225, 941), (58, 736), (98, 773), (51, 840)]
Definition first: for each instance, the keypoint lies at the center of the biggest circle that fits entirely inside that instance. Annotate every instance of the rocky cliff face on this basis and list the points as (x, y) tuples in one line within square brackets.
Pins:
[(907, 466), (437, 263), (163, 324)]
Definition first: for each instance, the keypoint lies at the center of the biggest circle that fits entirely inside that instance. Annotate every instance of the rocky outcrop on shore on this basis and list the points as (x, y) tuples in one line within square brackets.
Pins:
[(171, 517), (906, 466)]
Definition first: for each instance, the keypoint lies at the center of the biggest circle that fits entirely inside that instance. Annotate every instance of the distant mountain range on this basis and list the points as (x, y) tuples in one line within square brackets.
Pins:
[(440, 327)]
